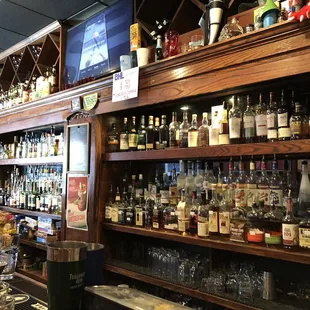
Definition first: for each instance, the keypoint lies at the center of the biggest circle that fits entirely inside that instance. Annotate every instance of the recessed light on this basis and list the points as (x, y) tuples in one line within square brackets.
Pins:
[(185, 108)]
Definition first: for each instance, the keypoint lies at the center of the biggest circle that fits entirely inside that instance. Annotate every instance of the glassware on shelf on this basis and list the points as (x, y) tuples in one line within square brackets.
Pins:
[(171, 43), (231, 29)]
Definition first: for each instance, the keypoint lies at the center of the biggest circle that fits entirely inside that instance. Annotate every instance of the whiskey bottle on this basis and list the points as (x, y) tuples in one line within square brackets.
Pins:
[(213, 212), (139, 213), (231, 181), (164, 190), (249, 122), (261, 120), (304, 233), (156, 134), (193, 132), (203, 131), (163, 133), (124, 137), (173, 189), (255, 229), (275, 188), (193, 220), (113, 143), (133, 136), (150, 134), (224, 216), (263, 185), (130, 212), (284, 132), (190, 180), (223, 127), (139, 189), (251, 184), (174, 131), (240, 191), (296, 123), (142, 135), (235, 124), (304, 192), (238, 225), (181, 178), (184, 131), (272, 119), (203, 218), (183, 213), (158, 215)]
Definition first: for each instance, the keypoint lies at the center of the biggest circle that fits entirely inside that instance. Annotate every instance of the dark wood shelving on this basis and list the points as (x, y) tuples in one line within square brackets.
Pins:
[(34, 244), (31, 213), (223, 151), (32, 161), (179, 288), (219, 243), (33, 274)]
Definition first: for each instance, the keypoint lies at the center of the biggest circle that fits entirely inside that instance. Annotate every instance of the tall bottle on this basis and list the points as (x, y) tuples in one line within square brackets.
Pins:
[(184, 131), (173, 188), (203, 131), (174, 131), (164, 190), (284, 132), (223, 126), (214, 131), (183, 215), (213, 212), (163, 133), (263, 185), (249, 122), (150, 134), (181, 178), (304, 192), (261, 120), (272, 119), (133, 136), (235, 123), (193, 222), (142, 135), (159, 49), (198, 180), (251, 185), (296, 123), (203, 217), (156, 134), (224, 213), (193, 132), (190, 180), (241, 185), (124, 137), (275, 189), (52, 142)]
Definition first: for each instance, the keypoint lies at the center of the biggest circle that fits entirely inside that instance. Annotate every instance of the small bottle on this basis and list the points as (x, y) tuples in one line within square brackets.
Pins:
[(124, 137), (203, 131), (193, 132), (163, 133), (223, 126), (272, 119), (184, 131), (261, 120), (156, 134), (150, 134), (159, 49), (133, 136), (113, 142), (213, 212), (142, 135), (249, 122), (174, 131), (203, 218), (235, 123)]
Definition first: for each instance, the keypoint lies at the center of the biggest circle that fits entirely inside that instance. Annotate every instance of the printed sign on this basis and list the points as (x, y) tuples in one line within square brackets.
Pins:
[(125, 84), (90, 101), (77, 202)]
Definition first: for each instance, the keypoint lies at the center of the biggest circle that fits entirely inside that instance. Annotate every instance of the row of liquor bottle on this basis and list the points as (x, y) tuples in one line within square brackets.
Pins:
[(34, 146), (227, 126), (34, 87), (38, 189)]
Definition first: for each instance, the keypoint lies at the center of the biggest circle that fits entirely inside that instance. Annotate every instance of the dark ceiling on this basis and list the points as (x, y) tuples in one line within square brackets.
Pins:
[(21, 18)]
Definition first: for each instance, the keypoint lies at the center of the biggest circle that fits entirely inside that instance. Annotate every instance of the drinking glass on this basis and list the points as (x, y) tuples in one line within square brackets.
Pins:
[(197, 41), (183, 275), (8, 303), (245, 287)]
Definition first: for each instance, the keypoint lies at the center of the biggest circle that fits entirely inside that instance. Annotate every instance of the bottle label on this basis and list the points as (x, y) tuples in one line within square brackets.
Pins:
[(157, 145), (213, 222), (177, 134), (263, 195), (251, 194), (240, 195), (192, 138), (290, 234), (141, 147), (283, 120), (223, 139), (224, 222), (183, 225), (203, 229), (114, 214), (234, 127), (304, 237), (164, 199), (124, 141), (214, 136), (139, 217), (150, 146), (284, 132), (271, 120), (155, 225), (173, 194), (255, 235), (261, 125), (273, 237), (295, 127), (133, 140), (184, 138), (277, 194), (249, 122), (22, 199), (237, 231), (272, 134)]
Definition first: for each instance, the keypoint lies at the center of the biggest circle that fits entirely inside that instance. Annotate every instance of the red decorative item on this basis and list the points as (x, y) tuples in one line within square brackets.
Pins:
[(300, 15), (171, 43)]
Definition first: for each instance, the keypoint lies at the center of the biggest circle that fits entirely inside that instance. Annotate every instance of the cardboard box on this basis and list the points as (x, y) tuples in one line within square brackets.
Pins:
[(135, 37)]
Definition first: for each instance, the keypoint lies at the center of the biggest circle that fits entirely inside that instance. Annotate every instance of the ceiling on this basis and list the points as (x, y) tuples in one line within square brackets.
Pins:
[(22, 18)]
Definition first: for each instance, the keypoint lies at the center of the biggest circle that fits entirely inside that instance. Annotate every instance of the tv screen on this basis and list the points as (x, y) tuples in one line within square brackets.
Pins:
[(94, 47)]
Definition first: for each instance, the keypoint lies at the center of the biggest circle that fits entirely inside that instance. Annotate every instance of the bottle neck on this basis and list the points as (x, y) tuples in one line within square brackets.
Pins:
[(185, 118), (159, 44), (163, 121), (151, 121)]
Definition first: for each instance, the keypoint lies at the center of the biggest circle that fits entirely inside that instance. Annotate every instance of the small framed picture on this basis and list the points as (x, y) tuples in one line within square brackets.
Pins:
[(76, 104)]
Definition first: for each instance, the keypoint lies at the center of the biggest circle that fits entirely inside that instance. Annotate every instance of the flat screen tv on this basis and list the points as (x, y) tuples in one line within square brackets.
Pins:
[(94, 46)]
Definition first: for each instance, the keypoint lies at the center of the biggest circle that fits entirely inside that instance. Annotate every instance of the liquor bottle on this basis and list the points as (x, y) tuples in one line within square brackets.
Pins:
[(235, 123), (53, 79), (159, 49), (203, 131), (190, 180), (130, 212), (290, 227), (38, 198), (42, 199), (174, 131), (284, 132), (223, 126), (61, 145), (224, 216), (142, 135), (44, 145), (164, 190), (275, 188), (163, 133), (249, 122), (231, 181), (170, 218), (292, 103), (193, 132), (122, 211), (304, 233), (158, 215), (241, 185), (113, 142), (263, 185), (255, 225), (150, 134), (183, 215), (304, 192), (251, 184), (173, 189), (238, 225), (203, 218), (29, 147), (181, 178), (139, 213), (52, 142), (115, 205), (296, 123), (22, 197), (184, 131), (139, 189), (108, 206), (213, 212), (193, 220), (124, 137), (156, 134), (198, 180), (19, 148), (272, 119), (261, 120), (213, 133), (133, 136)]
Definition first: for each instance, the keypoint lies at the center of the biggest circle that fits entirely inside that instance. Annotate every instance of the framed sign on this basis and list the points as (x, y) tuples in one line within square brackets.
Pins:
[(78, 148), (77, 201)]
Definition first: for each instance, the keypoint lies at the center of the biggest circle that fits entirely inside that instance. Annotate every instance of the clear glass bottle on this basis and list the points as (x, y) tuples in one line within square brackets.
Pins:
[(133, 135), (193, 222), (261, 120), (113, 142), (203, 131), (224, 213), (181, 178), (203, 218), (213, 134), (193, 132), (213, 212), (304, 192), (284, 132), (241, 186), (156, 134), (198, 180), (296, 123), (124, 137), (184, 127), (275, 186), (174, 131), (183, 213), (150, 134), (235, 123), (263, 185), (272, 119), (249, 122), (142, 135), (223, 126), (190, 180), (163, 133), (251, 184)]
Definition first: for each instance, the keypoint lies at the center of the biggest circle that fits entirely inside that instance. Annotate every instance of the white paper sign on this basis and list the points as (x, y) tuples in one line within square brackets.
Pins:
[(125, 84)]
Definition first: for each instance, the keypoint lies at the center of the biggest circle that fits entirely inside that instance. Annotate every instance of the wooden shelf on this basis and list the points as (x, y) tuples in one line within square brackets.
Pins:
[(32, 161), (219, 243), (179, 288), (33, 274), (223, 151), (34, 244), (31, 213)]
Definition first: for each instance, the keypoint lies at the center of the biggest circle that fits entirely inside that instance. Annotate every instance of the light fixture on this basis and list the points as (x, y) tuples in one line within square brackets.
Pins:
[(185, 108)]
